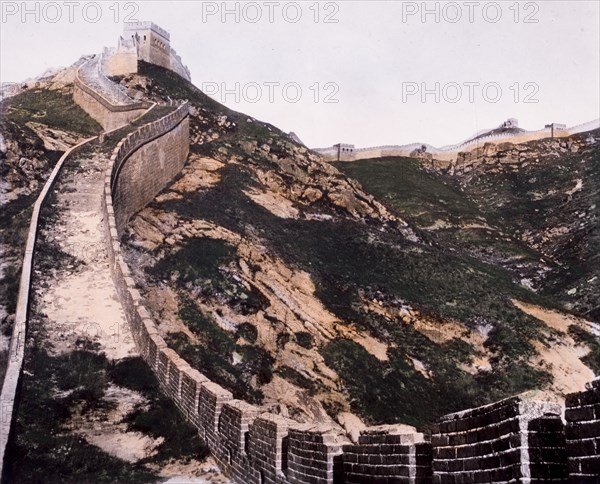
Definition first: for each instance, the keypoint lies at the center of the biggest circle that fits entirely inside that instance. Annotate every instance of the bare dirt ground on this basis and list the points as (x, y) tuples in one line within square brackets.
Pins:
[(570, 374)]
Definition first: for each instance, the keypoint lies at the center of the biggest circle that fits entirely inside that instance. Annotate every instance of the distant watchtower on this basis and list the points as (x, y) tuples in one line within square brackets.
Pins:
[(153, 43), (345, 152)]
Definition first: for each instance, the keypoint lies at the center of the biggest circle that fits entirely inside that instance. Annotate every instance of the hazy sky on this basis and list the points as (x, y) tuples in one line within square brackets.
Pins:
[(400, 71)]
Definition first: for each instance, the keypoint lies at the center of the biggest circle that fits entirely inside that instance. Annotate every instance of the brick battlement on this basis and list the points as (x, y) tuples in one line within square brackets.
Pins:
[(103, 99), (583, 434), (136, 26)]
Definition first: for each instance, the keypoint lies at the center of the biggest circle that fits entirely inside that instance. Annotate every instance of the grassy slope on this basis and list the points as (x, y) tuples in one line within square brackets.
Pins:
[(532, 200), (348, 258), (426, 198), (55, 109)]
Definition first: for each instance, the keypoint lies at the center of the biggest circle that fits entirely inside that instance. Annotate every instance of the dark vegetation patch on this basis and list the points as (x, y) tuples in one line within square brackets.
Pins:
[(295, 377), (393, 391), (202, 263), (56, 109), (530, 199), (247, 331), (159, 418), (15, 217), (419, 195), (304, 339), (425, 197), (592, 359), (43, 450), (58, 389), (214, 355), (3, 363)]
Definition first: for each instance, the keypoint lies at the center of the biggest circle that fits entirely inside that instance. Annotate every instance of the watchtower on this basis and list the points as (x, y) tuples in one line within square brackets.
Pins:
[(153, 43), (345, 152)]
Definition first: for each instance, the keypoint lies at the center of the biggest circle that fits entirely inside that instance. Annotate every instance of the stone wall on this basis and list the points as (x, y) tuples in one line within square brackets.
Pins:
[(514, 440), (583, 434), (103, 107), (451, 152), (121, 63), (101, 111), (141, 175), (385, 455)]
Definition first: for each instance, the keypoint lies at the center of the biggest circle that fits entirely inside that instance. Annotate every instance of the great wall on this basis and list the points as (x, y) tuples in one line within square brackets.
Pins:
[(447, 155), (514, 440)]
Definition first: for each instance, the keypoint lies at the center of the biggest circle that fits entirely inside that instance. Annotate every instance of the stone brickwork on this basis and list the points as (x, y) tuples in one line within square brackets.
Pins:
[(583, 434), (105, 103), (268, 448), (514, 440), (315, 455), (146, 161), (233, 431), (387, 455)]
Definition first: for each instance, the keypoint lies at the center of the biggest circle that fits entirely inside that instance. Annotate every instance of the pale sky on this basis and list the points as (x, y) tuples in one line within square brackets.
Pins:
[(385, 63)]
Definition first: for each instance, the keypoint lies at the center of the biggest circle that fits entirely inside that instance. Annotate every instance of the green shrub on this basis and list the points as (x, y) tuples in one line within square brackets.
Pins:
[(248, 332), (304, 339)]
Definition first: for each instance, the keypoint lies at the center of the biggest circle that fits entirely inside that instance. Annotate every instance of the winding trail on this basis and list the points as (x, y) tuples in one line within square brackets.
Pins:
[(81, 301)]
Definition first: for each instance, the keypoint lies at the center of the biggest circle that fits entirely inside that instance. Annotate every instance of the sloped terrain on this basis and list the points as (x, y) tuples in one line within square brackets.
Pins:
[(316, 294), (36, 127), (547, 194), (90, 410)]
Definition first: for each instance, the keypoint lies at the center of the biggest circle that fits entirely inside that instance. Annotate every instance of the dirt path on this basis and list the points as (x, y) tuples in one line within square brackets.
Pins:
[(80, 302)]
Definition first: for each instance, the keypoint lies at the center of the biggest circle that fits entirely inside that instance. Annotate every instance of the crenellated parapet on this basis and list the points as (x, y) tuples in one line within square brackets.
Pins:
[(583, 434), (514, 440), (102, 99), (389, 454)]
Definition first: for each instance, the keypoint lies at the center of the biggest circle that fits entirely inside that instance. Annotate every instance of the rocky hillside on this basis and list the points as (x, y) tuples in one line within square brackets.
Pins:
[(547, 194), (370, 288)]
